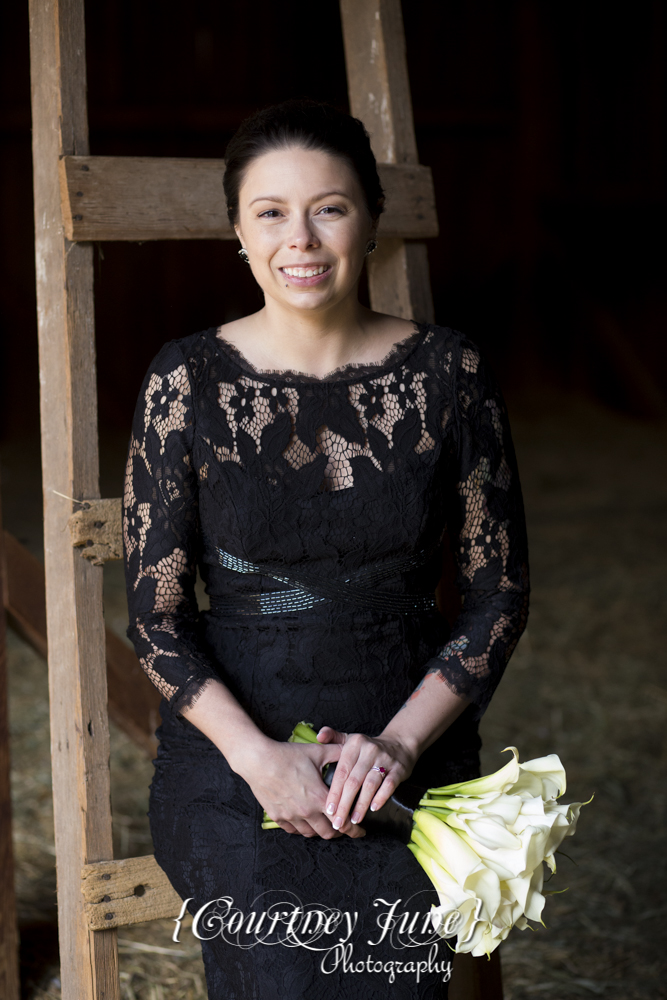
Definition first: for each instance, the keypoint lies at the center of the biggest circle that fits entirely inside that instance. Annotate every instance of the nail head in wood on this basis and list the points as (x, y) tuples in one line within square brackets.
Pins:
[(138, 888), (97, 530)]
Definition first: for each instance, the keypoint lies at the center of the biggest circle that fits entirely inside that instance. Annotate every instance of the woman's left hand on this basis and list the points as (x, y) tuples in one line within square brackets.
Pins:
[(357, 772)]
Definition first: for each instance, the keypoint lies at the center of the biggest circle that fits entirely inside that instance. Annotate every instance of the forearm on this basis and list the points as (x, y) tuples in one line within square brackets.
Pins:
[(429, 711), (219, 716)]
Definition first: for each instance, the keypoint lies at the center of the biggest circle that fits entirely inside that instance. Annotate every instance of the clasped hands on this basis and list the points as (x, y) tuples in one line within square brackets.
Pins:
[(289, 783)]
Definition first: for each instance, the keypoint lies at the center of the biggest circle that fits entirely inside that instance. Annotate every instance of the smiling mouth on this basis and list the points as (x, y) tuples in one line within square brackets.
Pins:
[(306, 272)]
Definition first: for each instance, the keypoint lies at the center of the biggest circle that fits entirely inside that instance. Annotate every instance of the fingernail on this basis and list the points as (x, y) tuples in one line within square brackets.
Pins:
[(337, 823), (330, 809), (373, 808)]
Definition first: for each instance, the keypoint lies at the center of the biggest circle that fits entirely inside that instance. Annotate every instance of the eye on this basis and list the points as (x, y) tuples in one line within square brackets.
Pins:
[(270, 213), (330, 210)]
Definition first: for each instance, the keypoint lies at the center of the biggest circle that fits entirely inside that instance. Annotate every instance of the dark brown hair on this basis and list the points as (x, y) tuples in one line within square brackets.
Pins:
[(310, 125)]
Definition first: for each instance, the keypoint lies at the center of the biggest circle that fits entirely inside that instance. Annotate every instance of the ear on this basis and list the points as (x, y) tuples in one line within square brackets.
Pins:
[(239, 235), (376, 222)]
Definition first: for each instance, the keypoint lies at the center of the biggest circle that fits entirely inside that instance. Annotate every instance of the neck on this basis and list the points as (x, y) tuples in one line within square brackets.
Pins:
[(313, 342)]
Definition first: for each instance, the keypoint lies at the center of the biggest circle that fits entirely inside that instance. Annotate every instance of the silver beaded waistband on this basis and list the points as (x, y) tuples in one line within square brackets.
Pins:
[(307, 591)]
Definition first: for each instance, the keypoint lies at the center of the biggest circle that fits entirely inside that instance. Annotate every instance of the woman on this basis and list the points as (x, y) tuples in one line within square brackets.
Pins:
[(307, 459)]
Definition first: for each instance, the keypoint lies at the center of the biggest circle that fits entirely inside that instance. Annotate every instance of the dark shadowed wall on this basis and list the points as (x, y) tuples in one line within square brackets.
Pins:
[(544, 125)]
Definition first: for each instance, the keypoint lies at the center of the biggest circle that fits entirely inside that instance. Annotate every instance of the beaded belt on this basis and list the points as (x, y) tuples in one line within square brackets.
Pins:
[(306, 591)]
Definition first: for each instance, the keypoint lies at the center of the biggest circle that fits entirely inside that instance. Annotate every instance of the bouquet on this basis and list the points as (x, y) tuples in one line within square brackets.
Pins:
[(481, 842)]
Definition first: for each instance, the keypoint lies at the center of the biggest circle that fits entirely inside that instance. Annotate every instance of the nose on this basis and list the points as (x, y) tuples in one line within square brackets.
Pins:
[(302, 235)]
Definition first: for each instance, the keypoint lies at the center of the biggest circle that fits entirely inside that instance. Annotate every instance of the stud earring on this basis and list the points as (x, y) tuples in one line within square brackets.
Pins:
[(243, 254), (371, 246)]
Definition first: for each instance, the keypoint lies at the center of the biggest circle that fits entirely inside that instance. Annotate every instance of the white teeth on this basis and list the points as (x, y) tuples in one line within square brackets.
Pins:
[(302, 272)]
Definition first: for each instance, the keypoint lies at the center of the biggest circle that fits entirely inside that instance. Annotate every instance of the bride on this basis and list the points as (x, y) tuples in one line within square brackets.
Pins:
[(306, 459)]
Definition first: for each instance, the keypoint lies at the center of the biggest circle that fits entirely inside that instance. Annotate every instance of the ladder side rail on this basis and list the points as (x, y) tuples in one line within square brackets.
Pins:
[(379, 90), (75, 626)]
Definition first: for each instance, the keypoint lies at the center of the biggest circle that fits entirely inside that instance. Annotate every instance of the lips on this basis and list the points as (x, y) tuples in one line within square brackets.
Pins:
[(311, 274)]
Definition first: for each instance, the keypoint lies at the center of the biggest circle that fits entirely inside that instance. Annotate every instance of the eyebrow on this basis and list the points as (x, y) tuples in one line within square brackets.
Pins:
[(281, 201)]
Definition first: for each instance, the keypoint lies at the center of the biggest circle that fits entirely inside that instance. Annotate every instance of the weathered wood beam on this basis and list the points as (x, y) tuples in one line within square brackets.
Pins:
[(139, 198), (133, 701), (379, 89), (24, 597), (75, 625), (118, 893)]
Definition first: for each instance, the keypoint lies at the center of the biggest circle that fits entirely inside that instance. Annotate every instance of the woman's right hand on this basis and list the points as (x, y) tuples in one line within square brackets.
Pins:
[(286, 779)]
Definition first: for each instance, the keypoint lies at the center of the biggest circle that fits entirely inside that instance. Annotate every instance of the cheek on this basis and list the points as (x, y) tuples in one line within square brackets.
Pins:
[(262, 248), (347, 244)]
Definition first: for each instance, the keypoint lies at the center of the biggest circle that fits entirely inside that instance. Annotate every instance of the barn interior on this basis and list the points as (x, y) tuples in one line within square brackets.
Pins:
[(545, 128)]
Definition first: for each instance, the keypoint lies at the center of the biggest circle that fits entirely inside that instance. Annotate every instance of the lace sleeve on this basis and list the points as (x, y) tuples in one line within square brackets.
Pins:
[(487, 527), (161, 534)]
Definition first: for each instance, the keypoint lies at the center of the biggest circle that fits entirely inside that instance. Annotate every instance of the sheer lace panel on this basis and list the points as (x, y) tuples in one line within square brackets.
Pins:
[(161, 537), (490, 547), (358, 414)]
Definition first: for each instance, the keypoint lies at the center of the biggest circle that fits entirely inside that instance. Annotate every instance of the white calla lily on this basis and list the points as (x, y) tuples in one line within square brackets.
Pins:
[(498, 782), (550, 772), (505, 807), (459, 859), (485, 830)]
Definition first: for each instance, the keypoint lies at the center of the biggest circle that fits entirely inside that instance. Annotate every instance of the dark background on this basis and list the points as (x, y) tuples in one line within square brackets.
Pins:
[(544, 125)]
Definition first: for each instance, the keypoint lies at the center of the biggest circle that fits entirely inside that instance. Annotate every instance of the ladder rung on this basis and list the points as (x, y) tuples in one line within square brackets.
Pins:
[(119, 893), (97, 528), (141, 198)]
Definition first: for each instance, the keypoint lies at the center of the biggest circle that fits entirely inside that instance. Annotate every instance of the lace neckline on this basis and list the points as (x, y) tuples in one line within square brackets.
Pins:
[(350, 372)]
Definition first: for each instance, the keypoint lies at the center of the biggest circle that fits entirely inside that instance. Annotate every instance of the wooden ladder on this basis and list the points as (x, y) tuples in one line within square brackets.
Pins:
[(80, 199)]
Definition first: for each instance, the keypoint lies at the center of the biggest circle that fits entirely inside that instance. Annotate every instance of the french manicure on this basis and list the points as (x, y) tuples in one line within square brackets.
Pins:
[(355, 817), (330, 809), (337, 823)]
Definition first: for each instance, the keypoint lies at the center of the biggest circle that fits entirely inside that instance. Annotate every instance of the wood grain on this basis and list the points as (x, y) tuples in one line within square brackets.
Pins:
[(96, 529), (75, 627), (379, 91), (25, 593), (137, 198), (118, 893), (398, 280), (133, 701), (377, 76)]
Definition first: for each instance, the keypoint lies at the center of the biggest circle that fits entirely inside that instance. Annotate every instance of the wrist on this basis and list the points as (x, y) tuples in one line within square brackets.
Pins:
[(248, 753), (409, 743)]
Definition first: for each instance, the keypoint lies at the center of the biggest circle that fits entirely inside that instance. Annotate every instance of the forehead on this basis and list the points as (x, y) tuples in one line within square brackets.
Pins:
[(296, 170)]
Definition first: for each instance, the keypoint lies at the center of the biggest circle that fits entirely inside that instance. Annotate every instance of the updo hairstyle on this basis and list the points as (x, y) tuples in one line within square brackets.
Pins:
[(310, 125)]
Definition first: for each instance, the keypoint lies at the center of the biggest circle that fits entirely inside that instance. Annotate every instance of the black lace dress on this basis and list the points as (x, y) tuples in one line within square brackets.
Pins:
[(314, 509)]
